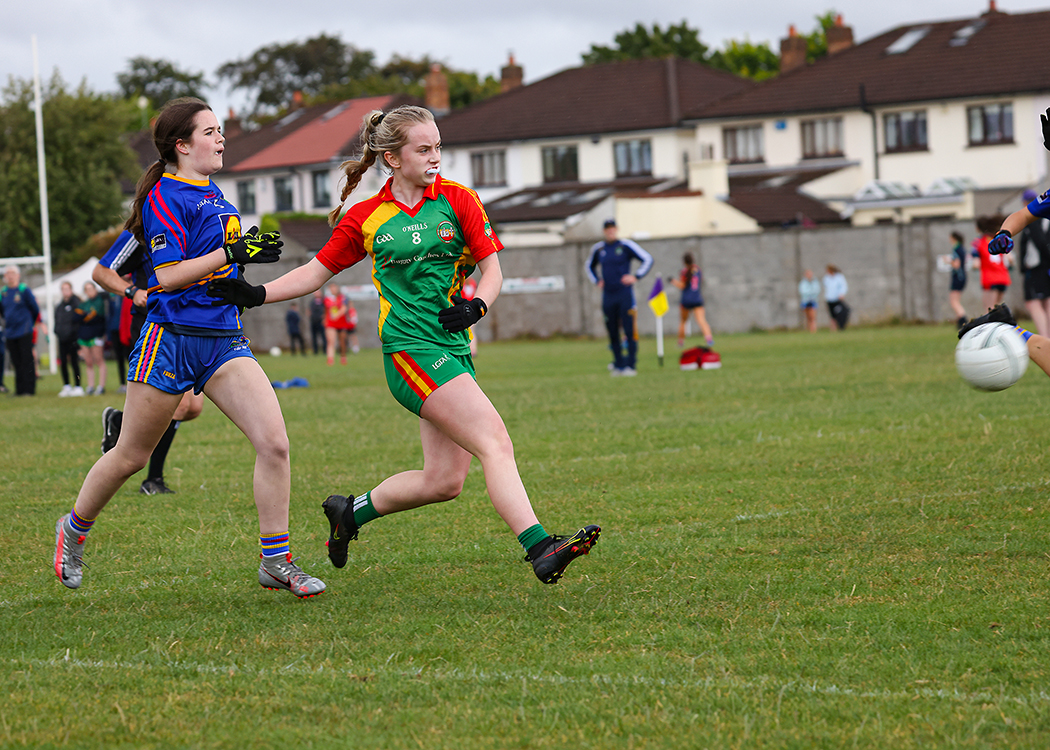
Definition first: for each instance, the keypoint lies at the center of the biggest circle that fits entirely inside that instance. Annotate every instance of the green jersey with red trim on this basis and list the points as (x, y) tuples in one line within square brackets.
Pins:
[(420, 257)]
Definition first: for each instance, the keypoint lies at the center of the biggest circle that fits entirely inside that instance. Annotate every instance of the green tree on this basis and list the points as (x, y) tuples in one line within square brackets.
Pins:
[(272, 74), (159, 81), (85, 158), (678, 40), (747, 59), (817, 40)]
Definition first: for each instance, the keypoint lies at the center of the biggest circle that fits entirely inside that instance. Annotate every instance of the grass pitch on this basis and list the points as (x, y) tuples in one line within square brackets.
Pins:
[(830, 542)]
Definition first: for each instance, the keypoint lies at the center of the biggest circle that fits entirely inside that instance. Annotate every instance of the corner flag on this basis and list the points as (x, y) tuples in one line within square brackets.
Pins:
[(658, 299)]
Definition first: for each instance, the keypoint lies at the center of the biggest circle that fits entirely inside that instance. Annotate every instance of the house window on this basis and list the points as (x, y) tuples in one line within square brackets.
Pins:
[(906, 131), (489, 168), (246, 197), (991, 123), (743, 145), (282, 193), (559, 164), (633, 158), (322, 196), (822, 138)]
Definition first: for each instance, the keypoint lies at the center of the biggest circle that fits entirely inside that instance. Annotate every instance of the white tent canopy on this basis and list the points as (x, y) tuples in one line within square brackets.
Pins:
[(77, 277)]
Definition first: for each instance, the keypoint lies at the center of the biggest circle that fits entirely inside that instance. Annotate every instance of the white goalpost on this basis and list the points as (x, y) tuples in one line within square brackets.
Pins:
[(45, 223)]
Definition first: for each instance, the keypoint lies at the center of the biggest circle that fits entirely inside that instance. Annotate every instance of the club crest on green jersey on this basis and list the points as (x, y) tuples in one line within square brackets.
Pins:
[(446, 232)]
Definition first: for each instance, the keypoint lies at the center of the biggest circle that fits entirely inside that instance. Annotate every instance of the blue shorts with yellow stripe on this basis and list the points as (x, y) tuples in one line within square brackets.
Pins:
[(174, 363), (413, 376)]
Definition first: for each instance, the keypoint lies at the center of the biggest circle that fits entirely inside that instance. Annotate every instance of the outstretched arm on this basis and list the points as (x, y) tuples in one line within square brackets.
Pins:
[(299, 281)]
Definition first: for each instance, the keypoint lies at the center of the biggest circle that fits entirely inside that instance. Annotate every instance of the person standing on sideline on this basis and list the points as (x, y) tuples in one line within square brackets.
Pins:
[(192, 342), (1034, 255), (614, 257), (835, 288), (336, 306), (423, 235), (692, 300), (92, 336), (67, 324), (317, 334), (114, 303), (808, 294), (995, 268), (126, 258), (20, 311), (293, 322), (958, 279)]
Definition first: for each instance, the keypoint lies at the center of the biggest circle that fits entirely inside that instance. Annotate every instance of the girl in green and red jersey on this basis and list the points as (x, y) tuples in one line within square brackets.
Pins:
[(424, 236)]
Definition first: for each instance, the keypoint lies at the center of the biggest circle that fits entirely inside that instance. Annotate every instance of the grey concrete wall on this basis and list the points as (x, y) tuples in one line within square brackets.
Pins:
[(750, 282)]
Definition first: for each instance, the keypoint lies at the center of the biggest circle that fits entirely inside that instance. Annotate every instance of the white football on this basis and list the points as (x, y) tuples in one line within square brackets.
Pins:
[(992, 356), (275, 351)]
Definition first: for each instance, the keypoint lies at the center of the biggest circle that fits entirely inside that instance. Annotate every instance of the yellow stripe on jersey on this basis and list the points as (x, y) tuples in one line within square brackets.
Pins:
[(383, 213)]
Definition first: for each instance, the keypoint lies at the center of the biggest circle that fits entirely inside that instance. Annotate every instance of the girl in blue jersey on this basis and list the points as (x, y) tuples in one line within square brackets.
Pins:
[(192, 341)]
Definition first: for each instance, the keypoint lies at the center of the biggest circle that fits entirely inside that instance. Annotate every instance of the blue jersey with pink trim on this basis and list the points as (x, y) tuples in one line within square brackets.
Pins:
[(185, 219)]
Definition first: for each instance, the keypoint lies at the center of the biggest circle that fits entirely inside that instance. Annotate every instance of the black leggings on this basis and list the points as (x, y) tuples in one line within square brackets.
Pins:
[(69, 354)]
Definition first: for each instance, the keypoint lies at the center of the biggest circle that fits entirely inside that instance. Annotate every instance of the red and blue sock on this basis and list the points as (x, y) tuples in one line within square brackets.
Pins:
[(274, 545), (80, 525)]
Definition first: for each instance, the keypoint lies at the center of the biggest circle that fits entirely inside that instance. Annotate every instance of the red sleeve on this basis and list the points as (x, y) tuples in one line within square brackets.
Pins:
[(346, 246), (477, 228)]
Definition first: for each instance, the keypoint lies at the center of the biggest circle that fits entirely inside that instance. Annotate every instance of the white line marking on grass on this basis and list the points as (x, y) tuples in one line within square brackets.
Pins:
[(813, 687)]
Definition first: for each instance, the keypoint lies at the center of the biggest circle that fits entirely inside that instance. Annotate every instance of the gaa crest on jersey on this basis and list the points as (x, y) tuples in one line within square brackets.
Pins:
[(159, 242), (446, 232), (231, 227)]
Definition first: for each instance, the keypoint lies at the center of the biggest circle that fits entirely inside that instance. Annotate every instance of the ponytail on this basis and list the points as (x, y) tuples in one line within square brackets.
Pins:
[(149, 178), (382, 132)]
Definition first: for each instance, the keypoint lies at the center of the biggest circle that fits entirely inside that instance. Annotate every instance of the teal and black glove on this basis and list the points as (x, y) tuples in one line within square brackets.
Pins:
[(237, 292), (252, 247)]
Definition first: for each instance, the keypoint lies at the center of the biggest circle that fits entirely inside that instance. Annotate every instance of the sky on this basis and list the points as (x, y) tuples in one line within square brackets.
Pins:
[(92, 40)]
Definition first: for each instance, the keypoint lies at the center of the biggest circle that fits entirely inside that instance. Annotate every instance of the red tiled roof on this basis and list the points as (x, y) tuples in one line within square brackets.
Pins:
[(992, 55), (310, 135), (607, 98), (330, 135)]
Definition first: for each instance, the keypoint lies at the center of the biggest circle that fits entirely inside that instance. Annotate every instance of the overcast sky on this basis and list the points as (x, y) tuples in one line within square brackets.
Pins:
[(94, 39)]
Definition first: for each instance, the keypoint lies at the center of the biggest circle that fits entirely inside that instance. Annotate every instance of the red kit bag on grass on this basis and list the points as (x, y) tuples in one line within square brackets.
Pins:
[(699, 358)]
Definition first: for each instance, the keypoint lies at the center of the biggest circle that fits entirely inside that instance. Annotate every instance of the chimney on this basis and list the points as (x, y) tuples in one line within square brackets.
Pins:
[(436, 93), (510, 75), (232, 127), (792, 51), (839, 36), (297, 101)]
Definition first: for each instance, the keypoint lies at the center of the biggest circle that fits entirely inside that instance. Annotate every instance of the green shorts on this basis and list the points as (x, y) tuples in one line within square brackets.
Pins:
[(413, 376)]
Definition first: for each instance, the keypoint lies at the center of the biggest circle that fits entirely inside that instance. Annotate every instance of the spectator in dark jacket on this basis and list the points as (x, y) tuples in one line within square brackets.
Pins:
[(67, 324)]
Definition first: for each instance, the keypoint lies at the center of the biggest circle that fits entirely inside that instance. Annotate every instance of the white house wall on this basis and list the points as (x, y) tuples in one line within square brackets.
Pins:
[(1023, 162)]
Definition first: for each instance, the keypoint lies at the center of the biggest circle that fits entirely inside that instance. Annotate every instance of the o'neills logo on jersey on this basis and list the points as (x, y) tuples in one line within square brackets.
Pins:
[(446, 232)]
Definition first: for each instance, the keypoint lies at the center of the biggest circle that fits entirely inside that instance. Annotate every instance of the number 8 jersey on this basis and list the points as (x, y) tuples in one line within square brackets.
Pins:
[(420, 258)]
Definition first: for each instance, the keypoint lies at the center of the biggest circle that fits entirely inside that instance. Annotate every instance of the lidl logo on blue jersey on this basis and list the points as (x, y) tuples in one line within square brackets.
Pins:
[(446, 232), (231, 227), (159, 242), (1044, 196)]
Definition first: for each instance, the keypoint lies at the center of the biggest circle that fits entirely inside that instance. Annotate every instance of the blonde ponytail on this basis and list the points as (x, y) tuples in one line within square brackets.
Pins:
[(381, 133)]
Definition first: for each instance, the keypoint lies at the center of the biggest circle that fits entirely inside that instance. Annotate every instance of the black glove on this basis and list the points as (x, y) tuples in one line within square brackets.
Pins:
[(237, 292), (1046, 129), (252, 247), (463, 314)]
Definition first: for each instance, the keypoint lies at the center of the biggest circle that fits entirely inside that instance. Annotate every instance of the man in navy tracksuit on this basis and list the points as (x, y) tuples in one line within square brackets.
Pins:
[(19, 309), (614, 256)]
